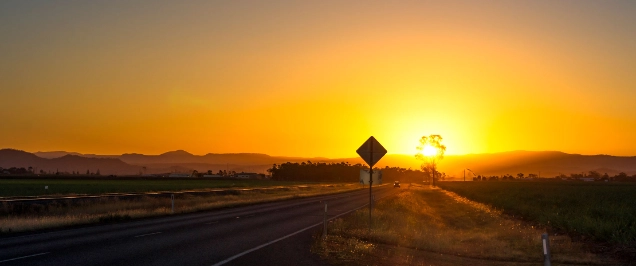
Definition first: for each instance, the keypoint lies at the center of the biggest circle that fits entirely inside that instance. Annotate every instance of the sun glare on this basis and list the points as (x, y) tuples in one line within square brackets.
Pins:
[(429, 150)]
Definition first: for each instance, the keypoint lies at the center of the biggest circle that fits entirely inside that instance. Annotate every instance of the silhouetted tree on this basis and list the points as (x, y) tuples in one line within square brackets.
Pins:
[(594, 174), (605, 177), (622, 177), (429, 161)]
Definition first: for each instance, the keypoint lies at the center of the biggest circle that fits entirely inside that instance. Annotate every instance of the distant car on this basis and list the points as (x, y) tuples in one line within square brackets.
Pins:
[(396, 184)]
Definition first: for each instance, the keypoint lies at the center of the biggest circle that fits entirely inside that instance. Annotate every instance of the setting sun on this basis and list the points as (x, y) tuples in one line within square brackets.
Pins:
[(429, 150)]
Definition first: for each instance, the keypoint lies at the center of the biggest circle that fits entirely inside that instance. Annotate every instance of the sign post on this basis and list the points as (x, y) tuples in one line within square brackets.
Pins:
[(371, 152)]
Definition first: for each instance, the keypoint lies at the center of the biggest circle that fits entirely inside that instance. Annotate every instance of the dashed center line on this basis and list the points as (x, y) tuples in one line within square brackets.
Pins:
[(155, 233), (24, 257)]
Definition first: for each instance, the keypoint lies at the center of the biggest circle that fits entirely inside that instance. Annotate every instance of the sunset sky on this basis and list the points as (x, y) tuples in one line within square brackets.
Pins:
[(317, 78)]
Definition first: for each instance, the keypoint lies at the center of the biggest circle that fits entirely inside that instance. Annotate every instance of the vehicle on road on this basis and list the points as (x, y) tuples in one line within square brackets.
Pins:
[(396, 184)]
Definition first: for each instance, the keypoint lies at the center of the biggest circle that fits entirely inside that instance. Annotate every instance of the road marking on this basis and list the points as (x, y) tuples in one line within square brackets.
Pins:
[(24, 257), (282, 238), (155, 233), (212, 222)]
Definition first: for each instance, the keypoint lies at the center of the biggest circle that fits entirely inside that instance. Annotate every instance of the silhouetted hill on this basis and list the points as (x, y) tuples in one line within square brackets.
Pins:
[(55, 154), (543, 163), (16, 158), (182, 157), (67, 163), (58, 154)]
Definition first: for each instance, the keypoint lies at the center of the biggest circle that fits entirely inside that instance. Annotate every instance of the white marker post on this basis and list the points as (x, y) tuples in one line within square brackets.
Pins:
[(546, 249), (172, 197), (374, 201), (324, 230)]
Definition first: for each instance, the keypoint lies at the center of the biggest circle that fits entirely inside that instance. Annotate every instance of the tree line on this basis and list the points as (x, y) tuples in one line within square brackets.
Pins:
[(338, 172), (620, 177)]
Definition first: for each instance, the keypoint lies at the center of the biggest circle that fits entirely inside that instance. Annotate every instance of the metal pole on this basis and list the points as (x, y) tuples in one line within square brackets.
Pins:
[(546, 249), (464, 175), (370, 184), (324, 222), (172, 197), (370, 194)]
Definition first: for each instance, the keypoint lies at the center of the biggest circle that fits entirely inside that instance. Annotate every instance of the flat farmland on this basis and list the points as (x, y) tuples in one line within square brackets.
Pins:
[(36, 187), (599, 211)]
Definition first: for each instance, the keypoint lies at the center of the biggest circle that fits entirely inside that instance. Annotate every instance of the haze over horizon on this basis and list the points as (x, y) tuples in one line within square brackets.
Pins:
[(354, 156), (316, 79)]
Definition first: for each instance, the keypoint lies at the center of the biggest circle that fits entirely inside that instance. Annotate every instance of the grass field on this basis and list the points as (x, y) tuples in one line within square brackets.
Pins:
[(425, 226), (602, 211), (35, 187)]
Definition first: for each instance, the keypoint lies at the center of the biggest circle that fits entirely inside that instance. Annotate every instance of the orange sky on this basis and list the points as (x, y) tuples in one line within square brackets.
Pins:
[(317, 78)]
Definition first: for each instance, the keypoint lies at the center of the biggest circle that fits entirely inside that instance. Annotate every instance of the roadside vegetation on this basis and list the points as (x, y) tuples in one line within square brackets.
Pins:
[(16, 218), (426, 226)]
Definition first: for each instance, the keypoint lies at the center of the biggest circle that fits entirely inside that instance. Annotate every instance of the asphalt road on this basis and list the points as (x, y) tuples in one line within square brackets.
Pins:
[(276, 233)]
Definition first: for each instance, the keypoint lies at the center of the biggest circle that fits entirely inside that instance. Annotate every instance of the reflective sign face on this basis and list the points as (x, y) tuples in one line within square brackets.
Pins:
[(371, 151)]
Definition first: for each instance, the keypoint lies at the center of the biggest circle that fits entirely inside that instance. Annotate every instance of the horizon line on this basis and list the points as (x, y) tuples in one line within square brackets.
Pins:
[(311, 157)]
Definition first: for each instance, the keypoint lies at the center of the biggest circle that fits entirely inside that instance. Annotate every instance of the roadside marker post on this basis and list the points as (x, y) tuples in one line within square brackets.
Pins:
[(371, 152), (324, 222), (546, 249), (374, 201), (172, 198)]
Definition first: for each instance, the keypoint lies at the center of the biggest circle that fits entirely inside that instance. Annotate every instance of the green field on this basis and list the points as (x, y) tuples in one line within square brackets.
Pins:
[(35, 187), (603, 211)]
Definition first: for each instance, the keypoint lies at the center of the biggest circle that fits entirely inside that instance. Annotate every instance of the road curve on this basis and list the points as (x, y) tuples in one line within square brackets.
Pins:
[(216, 237)]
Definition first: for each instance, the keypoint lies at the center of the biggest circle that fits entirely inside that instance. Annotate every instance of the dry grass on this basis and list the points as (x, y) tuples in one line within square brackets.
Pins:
[(62, 214), (432, 226)]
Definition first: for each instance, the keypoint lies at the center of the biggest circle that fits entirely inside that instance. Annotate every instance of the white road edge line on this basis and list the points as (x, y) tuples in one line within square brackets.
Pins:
[(39, 254), (276, 240), (155, 233)]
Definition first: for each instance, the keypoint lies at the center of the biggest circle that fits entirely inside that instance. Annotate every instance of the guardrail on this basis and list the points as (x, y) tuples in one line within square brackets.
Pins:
[(45, 199)]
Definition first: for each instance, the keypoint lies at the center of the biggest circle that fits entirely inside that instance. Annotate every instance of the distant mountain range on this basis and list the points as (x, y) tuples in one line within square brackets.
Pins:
[(66, 163), (130, 164), (543, 163)]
